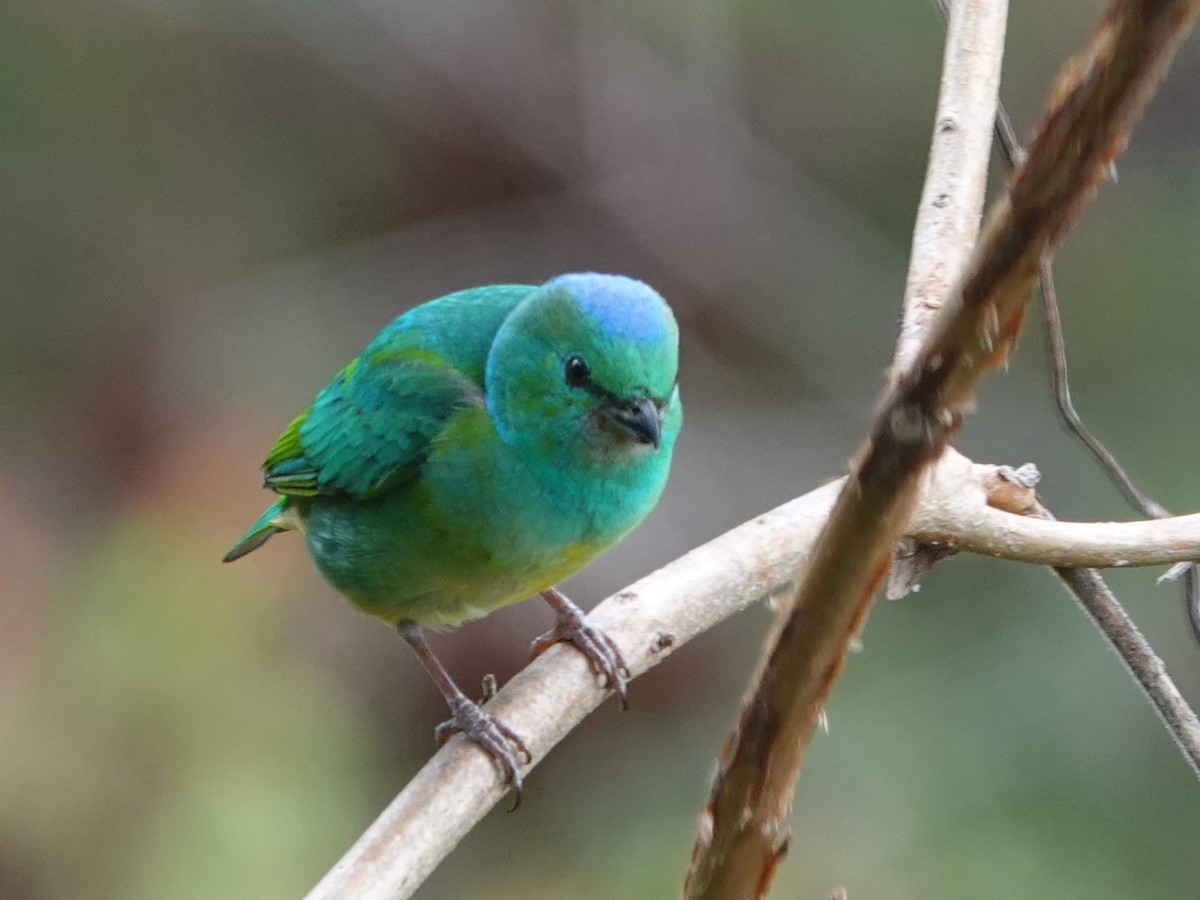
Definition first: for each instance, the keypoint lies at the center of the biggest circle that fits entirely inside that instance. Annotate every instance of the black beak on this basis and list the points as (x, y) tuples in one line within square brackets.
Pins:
[(641, 418)]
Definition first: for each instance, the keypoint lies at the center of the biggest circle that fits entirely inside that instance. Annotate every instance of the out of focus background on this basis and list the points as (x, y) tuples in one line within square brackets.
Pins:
[(209, 206)]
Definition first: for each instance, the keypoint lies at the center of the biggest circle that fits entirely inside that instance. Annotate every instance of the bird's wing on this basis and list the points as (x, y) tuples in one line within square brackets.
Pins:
[(370, 428)]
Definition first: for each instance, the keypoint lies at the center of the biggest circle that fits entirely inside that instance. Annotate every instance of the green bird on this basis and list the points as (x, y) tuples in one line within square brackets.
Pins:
[(483, 447)]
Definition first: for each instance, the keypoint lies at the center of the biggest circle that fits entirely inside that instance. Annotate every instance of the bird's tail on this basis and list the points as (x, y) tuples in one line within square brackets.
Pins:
[(277, 518)]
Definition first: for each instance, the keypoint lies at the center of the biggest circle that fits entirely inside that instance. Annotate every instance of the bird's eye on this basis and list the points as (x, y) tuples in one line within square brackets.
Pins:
[(576, 372)]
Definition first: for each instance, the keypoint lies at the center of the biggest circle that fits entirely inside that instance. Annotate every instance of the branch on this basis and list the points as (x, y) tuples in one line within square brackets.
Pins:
[(956, 177), (958, 510), (1097, 545), (650, 620), (743, 831), (1139, 657)]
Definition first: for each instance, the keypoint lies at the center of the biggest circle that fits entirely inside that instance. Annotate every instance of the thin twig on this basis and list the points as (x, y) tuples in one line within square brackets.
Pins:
[(1139, 657), (1098, 97), (1060, 379), (1066, 407)]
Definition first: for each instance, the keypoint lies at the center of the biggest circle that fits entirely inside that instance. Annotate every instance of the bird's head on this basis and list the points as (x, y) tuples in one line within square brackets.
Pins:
[(584, 371)]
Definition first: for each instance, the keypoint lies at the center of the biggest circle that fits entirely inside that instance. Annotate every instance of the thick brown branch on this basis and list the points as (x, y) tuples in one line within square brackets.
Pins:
[(742, 835)]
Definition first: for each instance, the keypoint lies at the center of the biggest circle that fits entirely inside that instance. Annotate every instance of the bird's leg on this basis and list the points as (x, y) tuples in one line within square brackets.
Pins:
[(597, 646), (498, 740)]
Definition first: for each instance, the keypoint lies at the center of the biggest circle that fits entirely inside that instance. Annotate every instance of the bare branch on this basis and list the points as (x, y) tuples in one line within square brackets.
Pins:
[(649, 620), (958, 511), (742, 835), (1099, 545), (956, 177), (1139, 657), (1109, 616), (1100, 94)]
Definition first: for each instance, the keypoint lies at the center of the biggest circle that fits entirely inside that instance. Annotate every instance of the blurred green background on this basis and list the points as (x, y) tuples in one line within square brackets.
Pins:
[(208, 206)]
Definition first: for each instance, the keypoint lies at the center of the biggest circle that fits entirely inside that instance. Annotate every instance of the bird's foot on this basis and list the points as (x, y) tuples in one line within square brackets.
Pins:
[(603, 654), (496, 739)]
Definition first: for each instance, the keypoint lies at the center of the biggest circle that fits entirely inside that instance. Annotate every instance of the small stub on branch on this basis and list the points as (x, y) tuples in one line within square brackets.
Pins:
[(911, 562), (1012, 490), (1174, 573)]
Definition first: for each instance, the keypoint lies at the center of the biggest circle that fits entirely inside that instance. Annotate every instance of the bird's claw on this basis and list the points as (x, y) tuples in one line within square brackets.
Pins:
[(495, 738), (603, 654), (488, 688)]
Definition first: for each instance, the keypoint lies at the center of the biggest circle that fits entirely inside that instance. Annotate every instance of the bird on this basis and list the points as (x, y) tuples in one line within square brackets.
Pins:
[(484, 446)]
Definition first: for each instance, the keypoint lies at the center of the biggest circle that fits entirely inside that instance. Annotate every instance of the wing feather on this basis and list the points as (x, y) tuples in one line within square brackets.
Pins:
[(370, 428)]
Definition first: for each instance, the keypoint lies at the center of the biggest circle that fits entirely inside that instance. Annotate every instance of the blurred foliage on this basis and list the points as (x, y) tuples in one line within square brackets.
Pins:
[(209, 206)]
